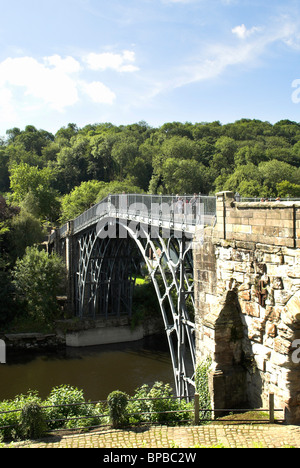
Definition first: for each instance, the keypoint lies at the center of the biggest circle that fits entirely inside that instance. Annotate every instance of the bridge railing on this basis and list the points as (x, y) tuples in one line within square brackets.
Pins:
[(187, 210), (270, 199)]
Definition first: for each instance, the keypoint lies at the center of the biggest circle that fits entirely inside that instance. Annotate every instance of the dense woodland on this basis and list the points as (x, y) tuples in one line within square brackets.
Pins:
[(46, 179)]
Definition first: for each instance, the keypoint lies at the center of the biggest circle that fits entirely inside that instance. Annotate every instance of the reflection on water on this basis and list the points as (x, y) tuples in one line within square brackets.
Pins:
[(98, 370)]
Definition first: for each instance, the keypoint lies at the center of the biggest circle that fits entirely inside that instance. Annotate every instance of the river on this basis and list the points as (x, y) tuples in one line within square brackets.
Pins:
[(97, 370)]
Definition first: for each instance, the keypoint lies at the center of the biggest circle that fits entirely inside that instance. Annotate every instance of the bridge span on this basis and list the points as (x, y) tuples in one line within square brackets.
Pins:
[(105, 246)]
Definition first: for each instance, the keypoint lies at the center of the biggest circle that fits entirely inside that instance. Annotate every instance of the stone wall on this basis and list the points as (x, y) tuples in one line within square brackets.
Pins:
[(247, 292)]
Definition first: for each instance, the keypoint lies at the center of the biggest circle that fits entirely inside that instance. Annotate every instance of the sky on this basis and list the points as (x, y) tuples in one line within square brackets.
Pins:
[(126, 61)]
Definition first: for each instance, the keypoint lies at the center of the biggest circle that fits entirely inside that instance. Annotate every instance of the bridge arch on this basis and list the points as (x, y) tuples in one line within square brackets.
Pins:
[(106, 263)]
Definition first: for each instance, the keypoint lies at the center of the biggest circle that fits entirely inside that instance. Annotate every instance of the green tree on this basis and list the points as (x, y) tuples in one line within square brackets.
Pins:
[(288, 189), (124, 152), (180, 148), (247, 173), (116, 187), (39, 279), (32, 187), (183, 176), (25, 231), (274, 172), (80, 199), (101, 165), (4, 173)]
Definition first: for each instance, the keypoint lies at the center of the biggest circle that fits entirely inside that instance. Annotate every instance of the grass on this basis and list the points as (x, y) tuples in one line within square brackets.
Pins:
[(249, 417)]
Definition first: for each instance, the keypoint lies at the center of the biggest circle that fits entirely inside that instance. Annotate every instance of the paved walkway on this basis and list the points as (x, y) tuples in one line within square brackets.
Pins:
[(224, 436)]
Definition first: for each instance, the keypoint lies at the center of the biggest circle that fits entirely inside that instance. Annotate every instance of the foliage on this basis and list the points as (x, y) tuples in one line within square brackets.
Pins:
[(10, 414), (145, 303), (118, 187), (80, 199), (39, 279), (202, 387), (74, 400), (29, 416), (288, 189), (31, 187), (25, 231), (32, 421), (117, 403), (9, 307), (177, 157), (157, 404)]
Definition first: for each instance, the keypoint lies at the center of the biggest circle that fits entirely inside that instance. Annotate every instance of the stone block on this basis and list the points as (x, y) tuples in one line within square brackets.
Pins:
[(282, 297), (258, 221), (273, 313), (276, 283), (276, 270), (279, 359), (240, 228), (272, 231), (286, 232), (287, 213), (293, 272), (241, 266), (273, 215), (258, 230), (282, 346), (252, 309), (233, 220), (245, 295), (271, 330)]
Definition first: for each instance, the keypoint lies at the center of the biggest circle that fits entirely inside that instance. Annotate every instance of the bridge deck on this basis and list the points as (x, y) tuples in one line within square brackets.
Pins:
[(181, 213)]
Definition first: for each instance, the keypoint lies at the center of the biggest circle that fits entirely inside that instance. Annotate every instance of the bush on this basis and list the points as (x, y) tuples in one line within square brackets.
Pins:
[(10, 414), (75, 412), (117, 403), (39, 279), (157, 402), (64, 395), (32, 421), (201, 382), (30, 417)]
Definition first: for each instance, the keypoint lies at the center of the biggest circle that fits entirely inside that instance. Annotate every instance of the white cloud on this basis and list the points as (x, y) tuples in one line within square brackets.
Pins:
[(56, 83), (108, 60), (49, 81), (242, 32), (67, 65), (98, 92)]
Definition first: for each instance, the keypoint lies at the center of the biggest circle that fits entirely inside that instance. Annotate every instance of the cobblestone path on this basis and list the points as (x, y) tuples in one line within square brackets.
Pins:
[(227, 436)]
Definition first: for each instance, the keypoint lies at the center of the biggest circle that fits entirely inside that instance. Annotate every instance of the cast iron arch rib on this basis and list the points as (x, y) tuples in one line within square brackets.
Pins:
[(101, 259)]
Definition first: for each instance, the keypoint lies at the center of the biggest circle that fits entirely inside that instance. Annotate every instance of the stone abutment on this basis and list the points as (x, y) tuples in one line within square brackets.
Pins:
[(247, 300)]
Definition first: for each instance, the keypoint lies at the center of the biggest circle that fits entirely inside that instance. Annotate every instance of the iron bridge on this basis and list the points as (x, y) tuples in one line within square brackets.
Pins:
[(108, 245)]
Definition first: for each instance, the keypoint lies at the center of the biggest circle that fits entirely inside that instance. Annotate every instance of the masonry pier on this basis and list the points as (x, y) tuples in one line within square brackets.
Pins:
[(247, 304)]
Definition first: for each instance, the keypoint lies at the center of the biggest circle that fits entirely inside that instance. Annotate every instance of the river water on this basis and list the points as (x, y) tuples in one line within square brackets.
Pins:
[(97, 370)]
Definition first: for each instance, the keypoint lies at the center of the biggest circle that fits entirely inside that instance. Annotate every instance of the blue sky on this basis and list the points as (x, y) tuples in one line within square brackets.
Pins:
[(123, 61)]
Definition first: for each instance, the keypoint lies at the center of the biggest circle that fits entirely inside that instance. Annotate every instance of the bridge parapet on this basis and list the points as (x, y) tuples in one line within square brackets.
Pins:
[(273, 223), (171, 212)]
